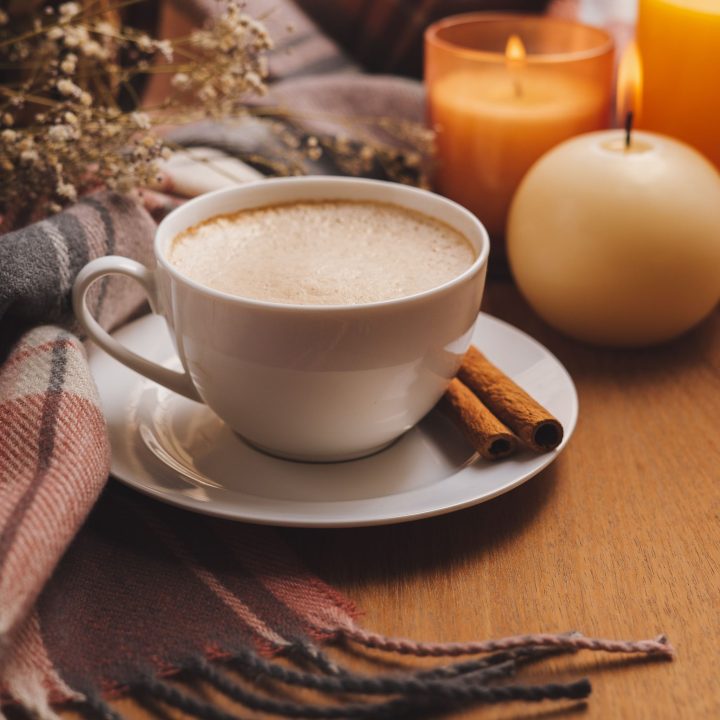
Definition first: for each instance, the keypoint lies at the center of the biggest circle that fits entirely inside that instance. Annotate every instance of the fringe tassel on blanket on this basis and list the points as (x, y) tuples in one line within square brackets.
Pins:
[(257, 683)]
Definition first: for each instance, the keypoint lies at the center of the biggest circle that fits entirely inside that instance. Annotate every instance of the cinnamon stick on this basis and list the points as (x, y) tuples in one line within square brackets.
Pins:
[(529, 420), (481, 428)]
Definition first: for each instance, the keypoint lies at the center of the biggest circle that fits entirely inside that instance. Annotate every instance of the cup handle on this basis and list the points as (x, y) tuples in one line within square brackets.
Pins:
[(113, 264)]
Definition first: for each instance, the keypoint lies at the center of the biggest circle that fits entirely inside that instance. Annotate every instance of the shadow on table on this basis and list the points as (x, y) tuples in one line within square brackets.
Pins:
[(559, 712), (364, 555), (641, 366), (592, 665), (550, 714)]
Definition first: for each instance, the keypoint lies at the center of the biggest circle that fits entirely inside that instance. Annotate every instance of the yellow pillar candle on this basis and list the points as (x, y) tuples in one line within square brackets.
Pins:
[(502, 90), (679, 43)]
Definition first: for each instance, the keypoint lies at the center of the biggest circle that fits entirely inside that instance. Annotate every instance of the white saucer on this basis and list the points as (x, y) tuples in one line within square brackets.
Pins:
[(178, 451)]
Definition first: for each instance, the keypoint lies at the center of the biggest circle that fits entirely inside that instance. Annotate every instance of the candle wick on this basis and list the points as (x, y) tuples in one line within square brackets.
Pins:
[(628, 128)]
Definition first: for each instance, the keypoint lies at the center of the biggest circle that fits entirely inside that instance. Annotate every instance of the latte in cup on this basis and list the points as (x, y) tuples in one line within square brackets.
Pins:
[(332, 252)]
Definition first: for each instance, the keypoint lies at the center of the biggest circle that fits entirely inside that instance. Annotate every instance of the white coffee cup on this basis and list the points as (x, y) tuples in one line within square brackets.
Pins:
[(305, 382)]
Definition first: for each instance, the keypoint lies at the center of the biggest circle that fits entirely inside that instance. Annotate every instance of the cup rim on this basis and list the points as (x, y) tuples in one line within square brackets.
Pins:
[(432, 38), (478, 263)]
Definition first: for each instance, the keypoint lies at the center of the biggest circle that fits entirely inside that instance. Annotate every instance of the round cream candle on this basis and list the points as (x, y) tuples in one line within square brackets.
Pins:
[(616, 243)]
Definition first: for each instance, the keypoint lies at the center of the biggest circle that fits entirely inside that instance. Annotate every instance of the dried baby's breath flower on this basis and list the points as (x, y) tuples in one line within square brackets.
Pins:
[(140, 120), (413, 159), (65, 130), (68, 9), (181, 81), (104, 27), (29, 156), (69, 64), (165, 48), (68, 88), (144, 43), (93, 49), (61, 133), (207, 93), (76, 36), (66, 190)]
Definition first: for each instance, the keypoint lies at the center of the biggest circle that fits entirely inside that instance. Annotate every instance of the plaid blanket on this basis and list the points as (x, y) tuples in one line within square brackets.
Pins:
[(53, 451), (133, 597)]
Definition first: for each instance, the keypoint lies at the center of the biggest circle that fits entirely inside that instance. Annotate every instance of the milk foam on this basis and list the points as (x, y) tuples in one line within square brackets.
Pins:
[(322, 253)]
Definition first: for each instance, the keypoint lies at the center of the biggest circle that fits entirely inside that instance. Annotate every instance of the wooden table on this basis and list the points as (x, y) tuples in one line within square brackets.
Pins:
[(619, 538)]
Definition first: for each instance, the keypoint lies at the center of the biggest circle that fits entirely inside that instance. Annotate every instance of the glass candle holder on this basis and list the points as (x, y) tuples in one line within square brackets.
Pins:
[(504, 89)]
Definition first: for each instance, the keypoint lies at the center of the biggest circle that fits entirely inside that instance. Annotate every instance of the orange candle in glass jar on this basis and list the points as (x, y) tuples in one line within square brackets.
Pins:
[(504, 89), (679, 44)]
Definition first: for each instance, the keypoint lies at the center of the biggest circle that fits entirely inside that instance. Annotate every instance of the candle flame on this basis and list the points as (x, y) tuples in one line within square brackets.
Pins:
[(629, 84), (515, 50)]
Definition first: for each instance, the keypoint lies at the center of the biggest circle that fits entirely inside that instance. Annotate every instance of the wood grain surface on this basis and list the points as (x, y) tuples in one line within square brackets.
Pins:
[(619, 538)]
